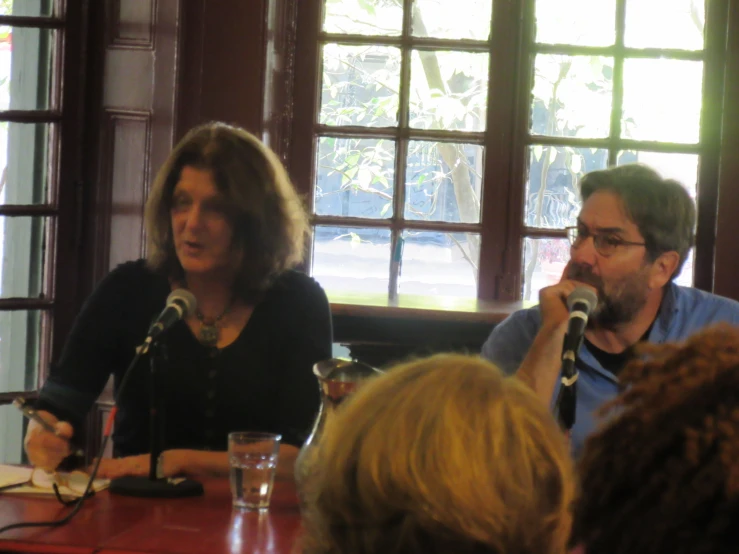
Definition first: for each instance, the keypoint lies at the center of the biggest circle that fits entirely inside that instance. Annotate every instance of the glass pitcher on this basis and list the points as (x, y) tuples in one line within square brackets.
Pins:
[(337, 378)]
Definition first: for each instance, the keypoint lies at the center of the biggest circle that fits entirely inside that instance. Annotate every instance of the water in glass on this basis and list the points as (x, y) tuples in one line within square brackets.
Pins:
[(252, 477)]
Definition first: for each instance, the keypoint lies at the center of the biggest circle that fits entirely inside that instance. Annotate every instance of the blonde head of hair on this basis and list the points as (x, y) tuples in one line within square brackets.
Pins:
[(444, 454)]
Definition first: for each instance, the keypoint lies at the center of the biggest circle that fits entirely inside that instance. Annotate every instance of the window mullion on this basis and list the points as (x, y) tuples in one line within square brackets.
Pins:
[(618, 83), (502, 202), (401, 148)]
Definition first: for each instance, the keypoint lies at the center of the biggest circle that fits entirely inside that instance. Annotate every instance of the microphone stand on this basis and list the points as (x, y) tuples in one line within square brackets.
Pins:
[(155, 486)]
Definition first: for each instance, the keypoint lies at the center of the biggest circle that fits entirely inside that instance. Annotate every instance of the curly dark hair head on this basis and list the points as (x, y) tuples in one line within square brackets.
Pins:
[(268, 218), (663, 475)]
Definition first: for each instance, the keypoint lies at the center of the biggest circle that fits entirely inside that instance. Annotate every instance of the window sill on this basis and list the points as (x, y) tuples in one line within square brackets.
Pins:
[(415, 307), (382, 331)]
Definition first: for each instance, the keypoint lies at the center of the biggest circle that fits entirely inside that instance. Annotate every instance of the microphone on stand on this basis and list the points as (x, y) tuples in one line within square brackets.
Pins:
[(180, 304), (580, 303)]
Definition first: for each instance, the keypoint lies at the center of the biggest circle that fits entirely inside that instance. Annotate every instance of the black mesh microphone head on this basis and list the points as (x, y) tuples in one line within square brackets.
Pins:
[(583, 296), (185, 299)]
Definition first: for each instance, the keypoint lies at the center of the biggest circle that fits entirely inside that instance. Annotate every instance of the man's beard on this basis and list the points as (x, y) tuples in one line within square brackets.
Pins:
[(618, 301)]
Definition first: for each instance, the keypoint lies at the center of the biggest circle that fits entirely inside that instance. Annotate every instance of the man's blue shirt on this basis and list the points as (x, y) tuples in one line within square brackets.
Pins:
[(684, 311)]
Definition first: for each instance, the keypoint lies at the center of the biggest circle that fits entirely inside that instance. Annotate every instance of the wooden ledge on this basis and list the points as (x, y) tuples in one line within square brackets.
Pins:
[(414, 307)]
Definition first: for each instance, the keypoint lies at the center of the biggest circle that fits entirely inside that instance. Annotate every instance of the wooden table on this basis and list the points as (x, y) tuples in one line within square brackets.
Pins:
[(113, 524)]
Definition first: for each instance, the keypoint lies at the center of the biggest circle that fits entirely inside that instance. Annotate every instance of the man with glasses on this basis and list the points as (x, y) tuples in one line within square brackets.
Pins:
[(633, 234)]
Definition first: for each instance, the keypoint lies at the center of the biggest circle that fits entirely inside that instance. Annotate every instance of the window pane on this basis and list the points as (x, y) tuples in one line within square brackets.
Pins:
[(363, 17), (26, 7), (20, 333), (455, 19), (355, 177), (662, 100), (11, 435), (681, 167), (572, 96), (351, 259), (544, 261), (360, 85), (443, 264), (449, 90), (25, 68), (22, 249), (680, 24), (579, 22), (443, 181), (24, 163), (560, 167)]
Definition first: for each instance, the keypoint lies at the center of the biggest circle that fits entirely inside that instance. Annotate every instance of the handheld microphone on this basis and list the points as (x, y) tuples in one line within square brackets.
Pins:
[(181, 303), (580, 303)]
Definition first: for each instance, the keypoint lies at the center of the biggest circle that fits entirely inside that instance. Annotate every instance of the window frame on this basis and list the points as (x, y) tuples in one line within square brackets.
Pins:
[(512, 51), (708, 147), (64, 245)]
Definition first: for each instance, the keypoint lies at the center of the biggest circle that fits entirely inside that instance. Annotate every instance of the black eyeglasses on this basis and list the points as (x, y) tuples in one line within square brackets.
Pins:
[(605, 243)]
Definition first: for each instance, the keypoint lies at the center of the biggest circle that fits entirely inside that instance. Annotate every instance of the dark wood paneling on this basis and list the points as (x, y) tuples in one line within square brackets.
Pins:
[(279, 73), (222, 72), (137, 120), (307, 81), (132, 23), (190, 81), (165, 94), (129, 78), (502, 206), (135, 50), (726, 277), (128, 137), (72, 182), (710, 138)]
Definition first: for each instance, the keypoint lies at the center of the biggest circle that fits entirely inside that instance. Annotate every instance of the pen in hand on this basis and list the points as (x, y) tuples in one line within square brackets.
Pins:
[(31, 414)]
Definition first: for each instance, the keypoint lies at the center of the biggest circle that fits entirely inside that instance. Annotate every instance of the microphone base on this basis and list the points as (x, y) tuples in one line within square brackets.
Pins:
[(143, 487)]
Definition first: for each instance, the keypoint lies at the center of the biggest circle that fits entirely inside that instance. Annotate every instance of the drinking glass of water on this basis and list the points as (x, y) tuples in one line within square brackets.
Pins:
[(253, 460)]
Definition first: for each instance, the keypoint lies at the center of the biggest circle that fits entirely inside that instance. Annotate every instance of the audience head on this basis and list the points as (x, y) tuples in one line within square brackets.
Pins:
[(442, 455), (662, 476), (223, 202)]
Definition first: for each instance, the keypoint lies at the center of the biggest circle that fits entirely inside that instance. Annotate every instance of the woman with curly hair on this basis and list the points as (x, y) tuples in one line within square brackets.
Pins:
[(663, 475), (224, 221), (442, 455)]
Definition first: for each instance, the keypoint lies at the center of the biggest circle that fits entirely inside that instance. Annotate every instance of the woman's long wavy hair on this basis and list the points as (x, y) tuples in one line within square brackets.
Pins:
[(269, 221), (663, 475), (442, 455)]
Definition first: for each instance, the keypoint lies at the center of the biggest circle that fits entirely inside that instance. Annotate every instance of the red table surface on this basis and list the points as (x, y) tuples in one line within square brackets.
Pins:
[(119, 524)]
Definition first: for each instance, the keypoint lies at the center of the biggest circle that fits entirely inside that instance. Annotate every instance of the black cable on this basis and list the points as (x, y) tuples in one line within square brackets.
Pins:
[(143, 349), (77, 504)]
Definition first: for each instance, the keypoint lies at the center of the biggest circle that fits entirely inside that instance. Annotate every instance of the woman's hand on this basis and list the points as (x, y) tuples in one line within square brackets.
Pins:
[(171, 464), (47, 450)]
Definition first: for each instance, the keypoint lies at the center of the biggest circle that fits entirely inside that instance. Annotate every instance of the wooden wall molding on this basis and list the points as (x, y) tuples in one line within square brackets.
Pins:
[(127, 168), (222, 63), (279, 74), (132, 24)]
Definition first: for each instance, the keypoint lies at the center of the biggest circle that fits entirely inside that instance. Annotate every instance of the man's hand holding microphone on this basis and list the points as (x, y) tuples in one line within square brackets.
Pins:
[(542, 365)]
